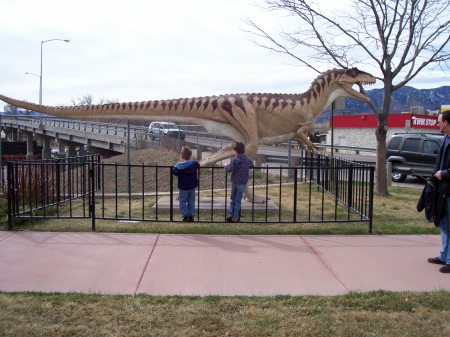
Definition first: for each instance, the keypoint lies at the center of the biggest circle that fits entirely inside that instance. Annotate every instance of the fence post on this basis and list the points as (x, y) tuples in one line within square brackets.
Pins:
[(336, 189), (58, 182), (319, 167), (371, 182), (295, 193), (92, 183), (171, 194), (10, 195), (350, 186), (128, 141), (99, 180)]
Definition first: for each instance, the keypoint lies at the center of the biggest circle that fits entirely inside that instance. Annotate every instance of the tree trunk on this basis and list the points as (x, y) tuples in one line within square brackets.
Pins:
[(381, 132), (381, 172)]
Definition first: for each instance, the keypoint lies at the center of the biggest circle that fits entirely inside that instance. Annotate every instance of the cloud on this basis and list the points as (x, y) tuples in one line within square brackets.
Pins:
[(140, 50)]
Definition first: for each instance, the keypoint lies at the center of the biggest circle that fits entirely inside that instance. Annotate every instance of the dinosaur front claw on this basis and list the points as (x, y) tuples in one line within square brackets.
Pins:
[(310, 146), (313, 148)]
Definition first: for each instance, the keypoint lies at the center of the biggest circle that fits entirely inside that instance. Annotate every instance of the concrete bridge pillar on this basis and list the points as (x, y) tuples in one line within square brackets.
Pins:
[(61, 149), (46, 149), (71, 150), (87, 148), (80, 151), (30, 152), (67, 148), (14, 136), (21, 135), (8, 134)]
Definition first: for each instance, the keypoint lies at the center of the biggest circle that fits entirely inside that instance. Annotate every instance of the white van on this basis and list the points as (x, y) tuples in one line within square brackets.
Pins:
[(165, 128)]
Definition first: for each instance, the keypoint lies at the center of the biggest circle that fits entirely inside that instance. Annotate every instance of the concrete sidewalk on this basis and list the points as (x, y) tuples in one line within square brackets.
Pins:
[(113, 263)]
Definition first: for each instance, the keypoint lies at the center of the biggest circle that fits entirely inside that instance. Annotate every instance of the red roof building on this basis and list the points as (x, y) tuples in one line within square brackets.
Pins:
[(359, 130)]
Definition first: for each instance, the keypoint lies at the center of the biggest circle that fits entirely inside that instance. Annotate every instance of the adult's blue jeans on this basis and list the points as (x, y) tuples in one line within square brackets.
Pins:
[(187, 202), (444, 228), (237, 193)]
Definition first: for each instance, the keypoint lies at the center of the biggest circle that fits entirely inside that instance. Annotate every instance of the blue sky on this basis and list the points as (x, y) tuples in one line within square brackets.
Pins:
[(139, 50)]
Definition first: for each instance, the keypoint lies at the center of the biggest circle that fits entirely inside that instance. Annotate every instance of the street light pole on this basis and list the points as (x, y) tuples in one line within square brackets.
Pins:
[(40, 77)]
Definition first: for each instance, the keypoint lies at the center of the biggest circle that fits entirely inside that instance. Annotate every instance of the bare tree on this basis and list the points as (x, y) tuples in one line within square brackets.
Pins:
[(398, 38), (84, 100), (88, 99)]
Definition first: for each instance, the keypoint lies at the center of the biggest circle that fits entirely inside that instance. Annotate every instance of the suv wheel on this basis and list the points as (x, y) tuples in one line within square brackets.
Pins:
[(398, 177)]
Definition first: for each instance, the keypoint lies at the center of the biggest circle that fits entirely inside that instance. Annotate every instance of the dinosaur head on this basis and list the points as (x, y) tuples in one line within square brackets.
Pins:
[(349, 77)]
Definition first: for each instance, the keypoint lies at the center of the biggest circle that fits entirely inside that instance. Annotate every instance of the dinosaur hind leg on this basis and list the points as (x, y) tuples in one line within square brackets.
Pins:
[(225, 152), (302, 138)]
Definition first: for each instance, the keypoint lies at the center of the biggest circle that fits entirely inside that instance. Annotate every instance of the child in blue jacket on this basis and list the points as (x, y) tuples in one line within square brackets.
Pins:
[(186, 171)]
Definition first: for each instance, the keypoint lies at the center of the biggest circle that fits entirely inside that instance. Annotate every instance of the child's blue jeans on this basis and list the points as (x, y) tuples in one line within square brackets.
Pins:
[(237, 192), (187, 202)]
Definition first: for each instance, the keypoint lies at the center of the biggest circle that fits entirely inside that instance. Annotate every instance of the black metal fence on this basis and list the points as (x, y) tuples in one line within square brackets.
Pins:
[(321, 189)]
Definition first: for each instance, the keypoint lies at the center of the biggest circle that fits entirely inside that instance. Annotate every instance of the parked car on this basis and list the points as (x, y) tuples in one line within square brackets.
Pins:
[(165, 128), (413, 154)]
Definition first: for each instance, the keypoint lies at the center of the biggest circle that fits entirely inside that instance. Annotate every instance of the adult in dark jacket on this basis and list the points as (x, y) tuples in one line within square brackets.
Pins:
[(442, 199), (186, 170)]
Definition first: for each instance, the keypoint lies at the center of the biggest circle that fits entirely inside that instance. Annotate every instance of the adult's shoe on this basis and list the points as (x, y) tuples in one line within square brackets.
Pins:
[(435, 260), (445, 269)]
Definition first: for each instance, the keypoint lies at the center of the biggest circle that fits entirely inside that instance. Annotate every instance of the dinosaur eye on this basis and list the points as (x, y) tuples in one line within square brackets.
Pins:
[(354, 72)]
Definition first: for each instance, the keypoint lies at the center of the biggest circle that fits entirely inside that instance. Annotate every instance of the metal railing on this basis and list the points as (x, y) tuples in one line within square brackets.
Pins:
[(321, 189)]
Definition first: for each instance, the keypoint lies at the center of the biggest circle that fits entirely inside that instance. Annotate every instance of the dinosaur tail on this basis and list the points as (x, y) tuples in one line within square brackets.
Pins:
[(140, 110), (50, 110)]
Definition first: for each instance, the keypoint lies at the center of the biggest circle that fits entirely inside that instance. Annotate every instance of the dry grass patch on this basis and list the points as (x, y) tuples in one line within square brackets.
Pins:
[(397, 213), (370, 314)]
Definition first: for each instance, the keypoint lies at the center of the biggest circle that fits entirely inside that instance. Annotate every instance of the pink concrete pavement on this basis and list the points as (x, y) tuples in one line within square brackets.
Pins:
[(113, 263)]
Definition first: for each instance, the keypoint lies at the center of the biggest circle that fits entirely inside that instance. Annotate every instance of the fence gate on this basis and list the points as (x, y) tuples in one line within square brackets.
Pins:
[(57, 188)]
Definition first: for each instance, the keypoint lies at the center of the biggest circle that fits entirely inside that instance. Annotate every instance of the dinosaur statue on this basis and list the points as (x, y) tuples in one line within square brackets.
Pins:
[(252, 119)]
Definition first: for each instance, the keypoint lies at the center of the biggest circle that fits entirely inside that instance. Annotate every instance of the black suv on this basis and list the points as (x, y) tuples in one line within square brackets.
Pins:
[(413, 154)]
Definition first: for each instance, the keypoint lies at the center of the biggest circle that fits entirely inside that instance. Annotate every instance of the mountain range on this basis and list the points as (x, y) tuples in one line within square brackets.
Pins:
[(402, 100)]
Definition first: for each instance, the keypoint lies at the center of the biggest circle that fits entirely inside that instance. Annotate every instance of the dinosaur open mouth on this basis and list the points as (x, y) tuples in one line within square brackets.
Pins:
[(348, 87)]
